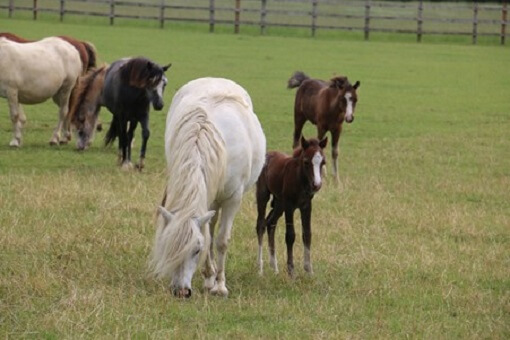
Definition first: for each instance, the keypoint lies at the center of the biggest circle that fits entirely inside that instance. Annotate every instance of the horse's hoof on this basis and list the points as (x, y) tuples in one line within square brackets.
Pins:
[(139, 166), (209, 283), (219, 291), (126, 166), (54, 142), (15, 143), (63, 142)]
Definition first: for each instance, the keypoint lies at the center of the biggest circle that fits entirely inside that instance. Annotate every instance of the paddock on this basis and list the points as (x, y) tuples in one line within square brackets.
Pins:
[(413, 240)]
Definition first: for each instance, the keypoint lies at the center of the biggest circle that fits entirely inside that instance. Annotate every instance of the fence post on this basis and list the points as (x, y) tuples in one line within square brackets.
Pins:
[(112, 11), (367, 19), (475, 22), (504, 12), (314, 16), (263, 13), (211, 16), (11, 8), (162, 14), (237, 14), (34, 9), (62, 9), (419, 21)]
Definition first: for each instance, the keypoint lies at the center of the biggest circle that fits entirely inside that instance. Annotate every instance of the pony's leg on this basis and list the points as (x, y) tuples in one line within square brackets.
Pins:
[(321, 132), (306, 213), (21, 115), (123, 144), (209, 271), (228, 211), (290, 237), (62, 100), (145, 137), (130, 134), (335, 136), (272, 220), (12, 97), (263, 196), (299, 122)]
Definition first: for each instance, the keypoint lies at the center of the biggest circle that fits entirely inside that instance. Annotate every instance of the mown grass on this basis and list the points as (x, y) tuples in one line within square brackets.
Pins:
[(413, 242)]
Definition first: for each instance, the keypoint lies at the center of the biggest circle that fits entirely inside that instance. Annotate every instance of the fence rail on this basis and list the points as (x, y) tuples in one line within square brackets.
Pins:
[(419, 17)]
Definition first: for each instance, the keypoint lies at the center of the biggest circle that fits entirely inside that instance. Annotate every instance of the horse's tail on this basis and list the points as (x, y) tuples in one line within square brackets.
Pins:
[(87, 90), (297, 78), (91, 51), (112, 133)]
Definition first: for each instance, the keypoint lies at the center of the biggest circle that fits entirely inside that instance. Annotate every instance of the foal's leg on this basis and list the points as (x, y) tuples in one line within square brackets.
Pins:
[(145, 137), (209, 271), (272, 220), (263, 196), (290, 237), (12, 98), (335, 136), (306, 212), (228, 211)]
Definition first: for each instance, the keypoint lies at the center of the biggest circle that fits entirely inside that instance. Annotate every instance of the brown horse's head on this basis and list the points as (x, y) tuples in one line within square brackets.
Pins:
[(84, 105), (347, 96), (311, 156)]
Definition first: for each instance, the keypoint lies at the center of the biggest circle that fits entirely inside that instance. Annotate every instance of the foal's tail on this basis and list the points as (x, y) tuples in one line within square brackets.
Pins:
[(297, 78), (112, 133)]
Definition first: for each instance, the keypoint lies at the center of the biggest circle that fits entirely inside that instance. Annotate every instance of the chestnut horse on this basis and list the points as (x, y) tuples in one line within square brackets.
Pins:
[(292, 181), (326, 104)]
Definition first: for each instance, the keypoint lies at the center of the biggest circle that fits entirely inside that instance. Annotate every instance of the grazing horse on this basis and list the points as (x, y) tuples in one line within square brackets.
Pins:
[(32, 72), (325, 104), (292, 181), (215, 150), (127, 88)]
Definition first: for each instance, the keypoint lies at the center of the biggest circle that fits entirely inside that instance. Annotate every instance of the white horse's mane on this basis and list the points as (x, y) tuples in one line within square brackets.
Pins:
[(196, 159)]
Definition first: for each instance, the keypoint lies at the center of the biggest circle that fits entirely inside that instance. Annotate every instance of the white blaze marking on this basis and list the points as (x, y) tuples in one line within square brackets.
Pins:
[(348, 109), (161, 86), (316, 162)]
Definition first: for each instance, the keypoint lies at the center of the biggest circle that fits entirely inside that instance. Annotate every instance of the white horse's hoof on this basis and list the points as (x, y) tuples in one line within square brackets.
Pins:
[(126, 166), (219, 290), (209, 283), (15, 143)]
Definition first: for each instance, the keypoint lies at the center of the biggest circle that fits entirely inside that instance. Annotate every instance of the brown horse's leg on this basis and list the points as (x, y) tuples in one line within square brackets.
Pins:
[(335, 136), (299, 122), (263, 196), (306, 213), (272, 220), (290, 237)]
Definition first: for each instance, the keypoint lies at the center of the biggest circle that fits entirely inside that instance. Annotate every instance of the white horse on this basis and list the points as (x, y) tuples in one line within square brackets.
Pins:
[(215, 150), (30, 73)]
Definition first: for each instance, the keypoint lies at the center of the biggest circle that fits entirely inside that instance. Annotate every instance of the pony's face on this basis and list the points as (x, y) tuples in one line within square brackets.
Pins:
[(189, 252), (156, 93), (350, 98), (313, 160), (85, 124)]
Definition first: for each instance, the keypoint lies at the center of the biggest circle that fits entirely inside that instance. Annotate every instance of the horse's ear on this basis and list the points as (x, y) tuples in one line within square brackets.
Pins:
[(304, 143), (323, 142), (356, 84), (167, 215), (206, 218), (166, 67)]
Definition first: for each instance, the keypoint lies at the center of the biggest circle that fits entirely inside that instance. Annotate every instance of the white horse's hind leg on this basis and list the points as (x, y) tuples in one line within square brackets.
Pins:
[(228, 212), (12, 98), (62, 100)]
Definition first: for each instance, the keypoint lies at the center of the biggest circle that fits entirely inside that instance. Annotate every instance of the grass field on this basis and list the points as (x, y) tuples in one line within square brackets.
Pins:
[(414, 241)]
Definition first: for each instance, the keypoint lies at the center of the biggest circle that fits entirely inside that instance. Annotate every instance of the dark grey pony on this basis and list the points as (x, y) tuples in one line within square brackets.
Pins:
[(127, 88)]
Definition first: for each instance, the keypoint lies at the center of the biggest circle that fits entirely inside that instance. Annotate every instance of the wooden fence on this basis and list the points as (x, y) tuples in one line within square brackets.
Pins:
[(367, 16)]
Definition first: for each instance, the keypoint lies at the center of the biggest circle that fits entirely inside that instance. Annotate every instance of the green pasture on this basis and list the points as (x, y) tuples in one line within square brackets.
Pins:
[(414, 242)]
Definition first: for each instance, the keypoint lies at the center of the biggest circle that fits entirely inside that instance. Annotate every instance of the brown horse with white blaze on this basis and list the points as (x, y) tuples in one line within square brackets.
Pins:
[(292, 181), (326, 104)]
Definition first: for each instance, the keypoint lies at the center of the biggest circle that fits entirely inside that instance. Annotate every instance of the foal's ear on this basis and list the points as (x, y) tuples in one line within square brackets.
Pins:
[(167, 215), (323, 142), (356, 84), (304, 143), (166, 67)]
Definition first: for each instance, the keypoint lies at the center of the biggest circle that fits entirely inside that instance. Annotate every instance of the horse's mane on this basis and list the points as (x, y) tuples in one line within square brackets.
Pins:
[(86, 90), (140, 72), (196, 172), (86, 50), (13, 37)]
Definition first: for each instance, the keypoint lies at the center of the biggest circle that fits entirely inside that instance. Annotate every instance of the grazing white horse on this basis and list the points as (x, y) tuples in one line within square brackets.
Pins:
[(215, 150), (30, 73)]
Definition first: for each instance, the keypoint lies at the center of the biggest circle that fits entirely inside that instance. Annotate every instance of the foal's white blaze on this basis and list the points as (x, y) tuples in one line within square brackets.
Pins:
[(348, 109), (316, 162), (161, 86)]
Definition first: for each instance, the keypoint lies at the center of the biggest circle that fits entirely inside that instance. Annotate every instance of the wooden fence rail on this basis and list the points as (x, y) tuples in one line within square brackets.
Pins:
[(366, 16)]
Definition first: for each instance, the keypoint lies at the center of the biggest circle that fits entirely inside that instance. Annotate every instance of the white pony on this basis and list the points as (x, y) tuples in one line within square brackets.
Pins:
[(215, 150), (30, 73)]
